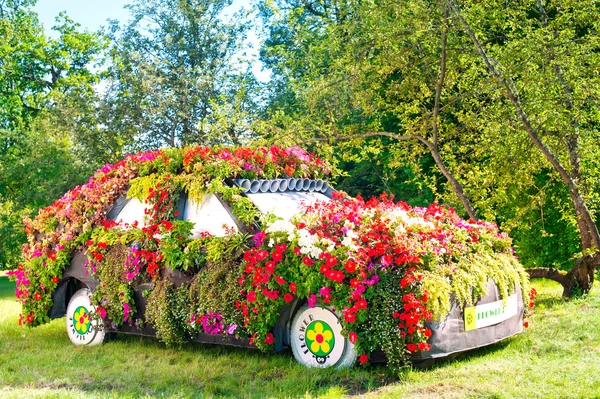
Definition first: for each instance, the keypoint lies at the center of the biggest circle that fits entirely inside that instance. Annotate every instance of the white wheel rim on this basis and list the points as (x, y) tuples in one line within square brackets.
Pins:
[(316, 338), (81, 326)]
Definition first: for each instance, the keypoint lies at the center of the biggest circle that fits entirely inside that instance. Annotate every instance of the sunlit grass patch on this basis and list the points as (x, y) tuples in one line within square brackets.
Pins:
[(557, 357)]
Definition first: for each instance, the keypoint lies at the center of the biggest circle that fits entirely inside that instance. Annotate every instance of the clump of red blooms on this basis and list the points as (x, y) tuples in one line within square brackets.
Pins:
[(347, 247), (532, 294)]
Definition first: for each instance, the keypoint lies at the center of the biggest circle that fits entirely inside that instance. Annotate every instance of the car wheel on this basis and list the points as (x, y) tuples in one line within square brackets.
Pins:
[(82, 328), (317, 341)]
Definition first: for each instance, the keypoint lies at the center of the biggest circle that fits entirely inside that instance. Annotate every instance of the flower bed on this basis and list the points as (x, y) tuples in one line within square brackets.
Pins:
[(385, 268)]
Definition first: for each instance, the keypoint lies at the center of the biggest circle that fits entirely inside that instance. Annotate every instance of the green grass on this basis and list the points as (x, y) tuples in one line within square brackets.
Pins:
[(558, 357)]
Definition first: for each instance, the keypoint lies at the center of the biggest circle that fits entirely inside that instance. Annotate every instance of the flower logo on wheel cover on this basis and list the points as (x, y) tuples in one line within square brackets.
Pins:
[(81, 320), (320, 338)]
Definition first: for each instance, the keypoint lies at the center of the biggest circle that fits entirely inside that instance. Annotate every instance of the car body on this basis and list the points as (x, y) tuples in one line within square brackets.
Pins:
[(308, 268)]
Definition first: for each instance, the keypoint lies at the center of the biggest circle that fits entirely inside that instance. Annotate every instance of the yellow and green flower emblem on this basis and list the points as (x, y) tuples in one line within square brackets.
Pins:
[(319, 338), (81, 320)]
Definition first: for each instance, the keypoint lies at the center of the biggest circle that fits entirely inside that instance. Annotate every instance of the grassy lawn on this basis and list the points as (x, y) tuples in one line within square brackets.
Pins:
[(558, 357)]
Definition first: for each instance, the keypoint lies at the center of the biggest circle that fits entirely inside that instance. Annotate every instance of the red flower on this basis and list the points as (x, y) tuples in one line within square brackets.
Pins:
[(350, 317), (152, 268), (293, 287), (331, 261), (307, 261), (269, 339), (353, 337), (37, 296), (89, 243), (411, 347), (363, 359), (52, 255), (361, 304), (270, 267), (427, 333), (279, 280), (277, 256), (526, 324), (261, 255), (251, 297), (288, 297), (55, 280), (30, 318), (102, 245), (350, 266), (168, 225), (98, 256)]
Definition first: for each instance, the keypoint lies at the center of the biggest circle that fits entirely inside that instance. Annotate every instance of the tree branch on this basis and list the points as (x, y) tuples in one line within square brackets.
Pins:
[(588, 229), (456, 186), (548, 273), (438, 89)]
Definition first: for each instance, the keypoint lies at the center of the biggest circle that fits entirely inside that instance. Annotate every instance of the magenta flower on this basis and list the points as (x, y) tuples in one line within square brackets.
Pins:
[(312, 300)]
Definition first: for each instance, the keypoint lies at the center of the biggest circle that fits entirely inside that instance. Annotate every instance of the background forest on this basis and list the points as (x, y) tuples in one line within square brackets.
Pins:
[(493, 110)]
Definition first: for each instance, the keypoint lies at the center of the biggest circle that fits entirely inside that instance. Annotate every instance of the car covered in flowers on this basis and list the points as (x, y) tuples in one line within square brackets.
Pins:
[(252, 247)]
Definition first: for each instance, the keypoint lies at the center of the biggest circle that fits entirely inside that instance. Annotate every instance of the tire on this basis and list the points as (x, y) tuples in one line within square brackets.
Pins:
[(81, 328), (317, 341)]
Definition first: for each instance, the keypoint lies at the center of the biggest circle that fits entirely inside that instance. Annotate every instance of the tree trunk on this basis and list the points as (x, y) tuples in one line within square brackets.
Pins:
[(581, 277), (575, 282)]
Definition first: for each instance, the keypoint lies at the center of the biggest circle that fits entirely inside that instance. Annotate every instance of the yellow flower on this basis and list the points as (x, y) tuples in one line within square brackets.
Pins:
[(320, 339), (82, 321)]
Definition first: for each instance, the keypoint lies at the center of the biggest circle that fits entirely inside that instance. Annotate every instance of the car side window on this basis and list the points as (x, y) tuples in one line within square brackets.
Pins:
[(209, 216)]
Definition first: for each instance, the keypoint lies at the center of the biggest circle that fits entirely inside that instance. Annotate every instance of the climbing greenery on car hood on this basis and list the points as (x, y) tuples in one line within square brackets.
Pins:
[(384, 267)]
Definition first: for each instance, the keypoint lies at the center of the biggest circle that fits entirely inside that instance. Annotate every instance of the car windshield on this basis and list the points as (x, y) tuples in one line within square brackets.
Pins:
[(286, 204)]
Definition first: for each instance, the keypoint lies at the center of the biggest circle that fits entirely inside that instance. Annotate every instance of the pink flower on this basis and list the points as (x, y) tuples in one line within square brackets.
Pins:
[(126, 311), (101, 312), (312, 301)]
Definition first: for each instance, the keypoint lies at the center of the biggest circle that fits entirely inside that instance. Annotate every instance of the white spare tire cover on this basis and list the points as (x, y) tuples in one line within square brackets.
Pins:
[(82, 328), (317, 340)]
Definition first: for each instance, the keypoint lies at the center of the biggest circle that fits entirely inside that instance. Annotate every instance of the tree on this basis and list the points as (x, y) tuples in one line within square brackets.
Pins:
[(371, 70), (173, 72), (553, 95), (42, 81)]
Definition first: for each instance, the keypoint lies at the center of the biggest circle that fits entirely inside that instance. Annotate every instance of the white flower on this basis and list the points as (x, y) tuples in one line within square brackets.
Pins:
[(328, 243), (315, 252), (283, 226)]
